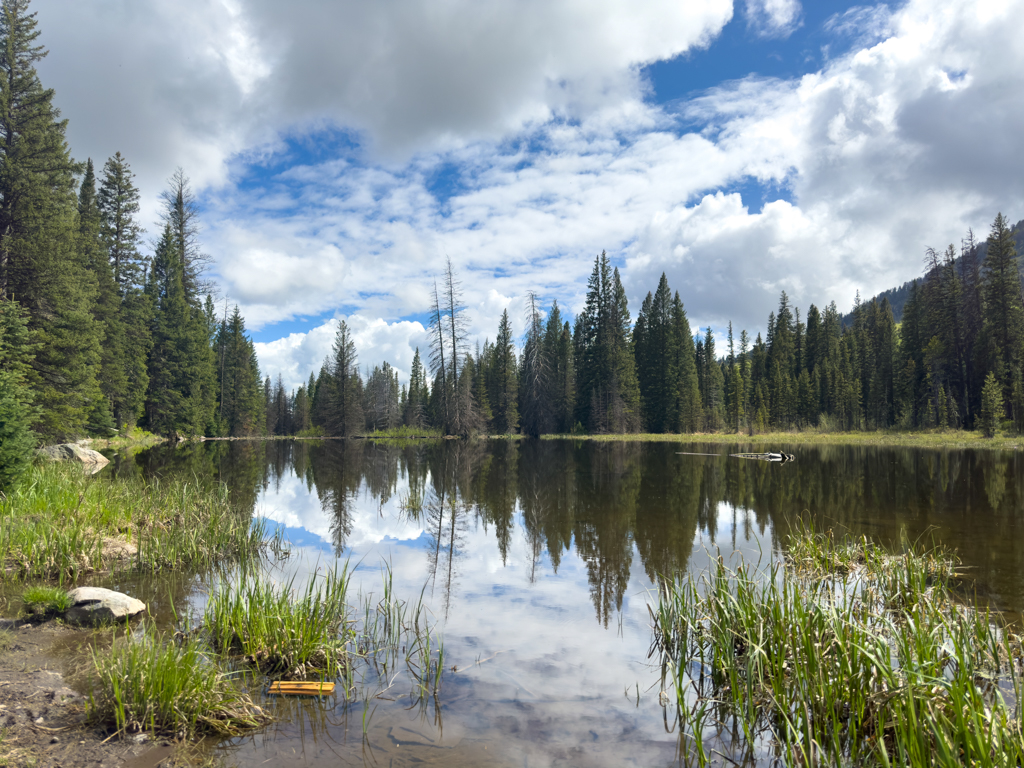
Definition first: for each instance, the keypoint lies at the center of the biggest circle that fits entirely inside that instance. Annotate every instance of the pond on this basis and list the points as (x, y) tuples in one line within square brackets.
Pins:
[(537, 560)]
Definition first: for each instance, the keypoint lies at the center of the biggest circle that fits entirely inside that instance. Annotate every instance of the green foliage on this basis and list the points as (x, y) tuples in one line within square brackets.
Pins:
[(152, 684), (43, 599), (846, 653), (41, 265), (241, 402), (59, 523), (16, 411), (279, 633), (504, 394), (991, 405)]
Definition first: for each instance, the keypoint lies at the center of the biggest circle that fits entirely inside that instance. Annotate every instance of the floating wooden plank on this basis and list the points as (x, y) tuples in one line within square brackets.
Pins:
[(289, 688)]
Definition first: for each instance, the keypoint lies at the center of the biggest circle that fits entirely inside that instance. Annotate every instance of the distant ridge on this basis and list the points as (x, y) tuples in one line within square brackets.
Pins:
[(898, 296)]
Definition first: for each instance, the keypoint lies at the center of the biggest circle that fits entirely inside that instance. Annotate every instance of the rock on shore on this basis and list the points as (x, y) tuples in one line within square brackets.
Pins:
[(95, 605), (87, 457)]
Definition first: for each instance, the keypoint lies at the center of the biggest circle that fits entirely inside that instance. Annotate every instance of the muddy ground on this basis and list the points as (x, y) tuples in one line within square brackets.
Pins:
[(42, 707)]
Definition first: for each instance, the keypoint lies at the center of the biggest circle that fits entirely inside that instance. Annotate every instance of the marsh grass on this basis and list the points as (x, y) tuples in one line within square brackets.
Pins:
[(150, 684), (281, 632), (6, 640), (59, 524), (841, 655), (397, 635), (41, 599), (937, 438)]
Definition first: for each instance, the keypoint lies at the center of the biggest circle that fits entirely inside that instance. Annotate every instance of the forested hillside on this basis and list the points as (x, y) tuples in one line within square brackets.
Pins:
[(897, 297)]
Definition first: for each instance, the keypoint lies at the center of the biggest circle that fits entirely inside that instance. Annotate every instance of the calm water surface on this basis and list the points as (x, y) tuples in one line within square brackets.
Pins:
[(537, 561)]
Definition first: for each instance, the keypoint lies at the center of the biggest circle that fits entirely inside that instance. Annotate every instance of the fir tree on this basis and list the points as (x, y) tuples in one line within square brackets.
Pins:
[(40, 263), (345, 411), (16, 411), (504, 395)]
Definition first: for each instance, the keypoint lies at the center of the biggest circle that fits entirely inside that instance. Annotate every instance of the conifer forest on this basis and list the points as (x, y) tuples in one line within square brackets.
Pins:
[(104, 328)]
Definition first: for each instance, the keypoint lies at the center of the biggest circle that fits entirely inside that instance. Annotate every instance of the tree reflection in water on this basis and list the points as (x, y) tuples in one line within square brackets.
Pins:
[(614, 503)]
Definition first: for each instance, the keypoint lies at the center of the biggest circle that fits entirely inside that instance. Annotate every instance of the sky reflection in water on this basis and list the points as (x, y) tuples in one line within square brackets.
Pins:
[(539, 581)]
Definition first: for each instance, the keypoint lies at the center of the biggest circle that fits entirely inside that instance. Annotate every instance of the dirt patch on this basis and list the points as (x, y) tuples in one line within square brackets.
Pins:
[(42, 716)]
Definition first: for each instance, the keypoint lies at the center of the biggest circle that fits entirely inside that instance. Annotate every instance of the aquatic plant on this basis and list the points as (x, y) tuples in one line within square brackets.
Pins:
[(60, 523), (279, 633), (150, 684), (840, 655)]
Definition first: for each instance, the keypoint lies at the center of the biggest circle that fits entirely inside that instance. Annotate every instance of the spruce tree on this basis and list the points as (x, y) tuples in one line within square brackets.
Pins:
[(1003, 310), (345, 410), (106, 310), (505, 394), (40, 263), (991, 405), (16, 409)]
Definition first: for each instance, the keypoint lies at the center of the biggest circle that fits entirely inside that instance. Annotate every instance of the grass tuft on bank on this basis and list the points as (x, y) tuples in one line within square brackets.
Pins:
[(841, 655), (40, 598), (281, 634), (59, 523), (150, 684)]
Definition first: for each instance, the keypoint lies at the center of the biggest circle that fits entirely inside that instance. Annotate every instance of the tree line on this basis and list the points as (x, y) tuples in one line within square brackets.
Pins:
[(96, 336), (955, 361)]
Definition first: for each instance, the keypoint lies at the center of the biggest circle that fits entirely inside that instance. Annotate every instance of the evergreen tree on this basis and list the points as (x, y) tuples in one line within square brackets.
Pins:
[(16, 411), (182, 364), (345, 410), (113, 380), (504, 395), (241, 404), (535, 406), (561, 380), (1003, 311), (686, 408), (41, 266), (991, 405), (415, 403)]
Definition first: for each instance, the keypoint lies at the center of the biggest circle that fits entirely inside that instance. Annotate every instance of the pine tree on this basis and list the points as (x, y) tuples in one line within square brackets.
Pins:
[(240, 407), (1003, 310), (106, 310), (40, 263), (345, 410), (991, 405), (415, 403), (16, 411), (504, 396), (686, 408)]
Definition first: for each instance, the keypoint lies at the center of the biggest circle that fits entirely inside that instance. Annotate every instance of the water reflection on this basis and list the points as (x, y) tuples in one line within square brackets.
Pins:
[(535, 558)]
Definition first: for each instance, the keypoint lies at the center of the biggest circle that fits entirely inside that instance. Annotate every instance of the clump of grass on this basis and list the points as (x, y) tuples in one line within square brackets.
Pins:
[(40, 599), (282, 634), (146, 684), (60, 523), (880, 668), (6, 640)]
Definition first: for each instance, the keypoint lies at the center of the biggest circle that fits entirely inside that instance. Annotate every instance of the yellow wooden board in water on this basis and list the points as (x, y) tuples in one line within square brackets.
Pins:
[(301, 689)]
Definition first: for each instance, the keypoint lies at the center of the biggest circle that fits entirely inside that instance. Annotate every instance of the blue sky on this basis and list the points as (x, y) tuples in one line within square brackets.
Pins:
[(343, 150)]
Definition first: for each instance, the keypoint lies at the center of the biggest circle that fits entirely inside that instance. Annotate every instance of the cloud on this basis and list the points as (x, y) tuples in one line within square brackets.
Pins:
[(195, 82), (773, 18), (377, 341)]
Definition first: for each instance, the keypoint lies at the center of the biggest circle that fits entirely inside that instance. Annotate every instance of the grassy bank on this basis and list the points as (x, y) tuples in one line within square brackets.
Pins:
[(133, 441), (949, 438), (842, 655), (59, 523)]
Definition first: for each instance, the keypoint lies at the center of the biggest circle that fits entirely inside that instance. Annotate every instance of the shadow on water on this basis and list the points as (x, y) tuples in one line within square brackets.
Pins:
[(535, 557)]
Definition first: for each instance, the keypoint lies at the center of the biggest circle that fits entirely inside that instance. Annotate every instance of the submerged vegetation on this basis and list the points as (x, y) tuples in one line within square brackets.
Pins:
[(59, 523), (841, 655)]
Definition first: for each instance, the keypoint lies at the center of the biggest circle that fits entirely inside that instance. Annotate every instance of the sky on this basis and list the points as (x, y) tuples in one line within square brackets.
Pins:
[(341, 151)]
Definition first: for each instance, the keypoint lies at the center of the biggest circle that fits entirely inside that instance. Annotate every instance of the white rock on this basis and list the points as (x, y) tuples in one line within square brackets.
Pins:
[(95, 605), (74, 452)]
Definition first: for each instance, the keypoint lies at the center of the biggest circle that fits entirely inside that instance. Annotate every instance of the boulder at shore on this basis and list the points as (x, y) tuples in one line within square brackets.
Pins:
[(95, 605), (74, 452)]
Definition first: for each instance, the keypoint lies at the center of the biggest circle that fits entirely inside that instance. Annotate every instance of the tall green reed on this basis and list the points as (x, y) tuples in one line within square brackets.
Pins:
[(843, 655)]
